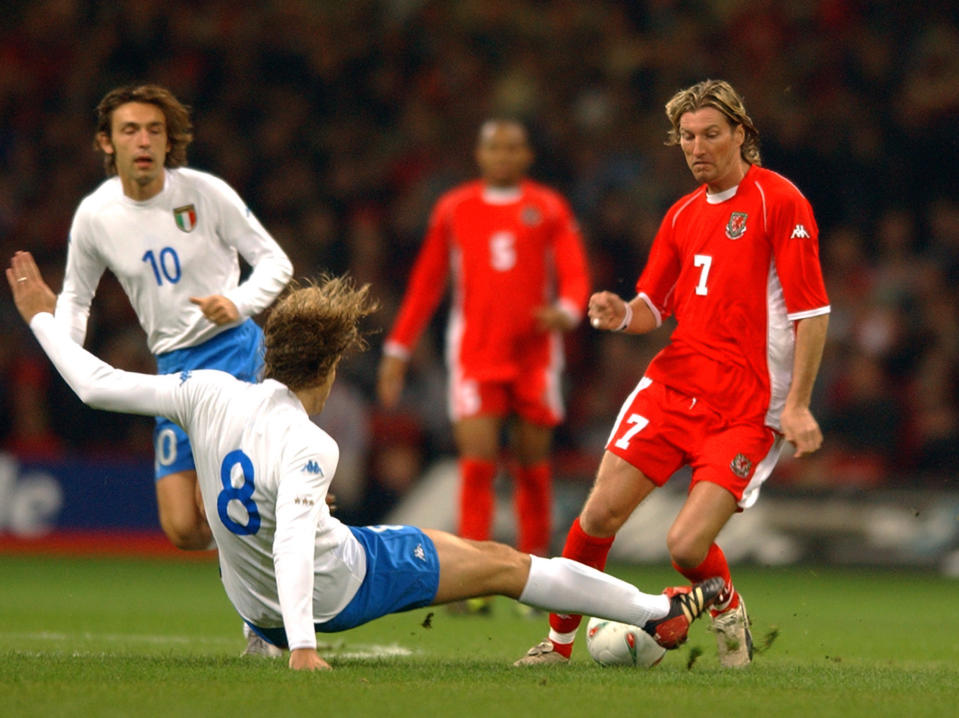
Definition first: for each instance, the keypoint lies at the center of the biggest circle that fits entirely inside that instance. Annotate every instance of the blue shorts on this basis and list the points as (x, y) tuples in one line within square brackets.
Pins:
[(238, 351), (402, 573)]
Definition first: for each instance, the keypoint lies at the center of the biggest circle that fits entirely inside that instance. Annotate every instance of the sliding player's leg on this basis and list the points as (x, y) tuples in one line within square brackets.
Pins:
[(618, 489), (476, 568)]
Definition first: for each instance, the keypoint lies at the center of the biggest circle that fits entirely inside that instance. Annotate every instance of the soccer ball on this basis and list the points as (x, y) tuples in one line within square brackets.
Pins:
[(620, 644)]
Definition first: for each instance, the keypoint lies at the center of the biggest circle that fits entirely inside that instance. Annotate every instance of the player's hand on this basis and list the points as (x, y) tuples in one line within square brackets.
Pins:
[(549, 318), (801, 429), (217, 308), (30, 293), (606, 310), (307, 659), (389, 380)]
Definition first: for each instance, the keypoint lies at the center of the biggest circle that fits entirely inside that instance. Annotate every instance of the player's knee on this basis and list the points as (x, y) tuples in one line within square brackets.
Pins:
[(187, 534), (684, 550), (515, 571), (190, 542), (602, 519), (505, 560), (503, 555), (496, 568)]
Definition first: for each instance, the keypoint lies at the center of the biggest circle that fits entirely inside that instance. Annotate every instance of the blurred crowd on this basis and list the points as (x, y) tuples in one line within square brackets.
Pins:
[(341, 122)]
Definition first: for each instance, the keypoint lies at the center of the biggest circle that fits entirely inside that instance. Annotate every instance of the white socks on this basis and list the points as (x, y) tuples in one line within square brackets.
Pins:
[(561, 585)]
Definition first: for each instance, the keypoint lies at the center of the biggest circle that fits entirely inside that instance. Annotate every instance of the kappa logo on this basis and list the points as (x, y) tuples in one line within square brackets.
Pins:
[(313, 468), (184, 375), (799, 231), (741, 465), (419, 553), (736, 226), (185, 217)]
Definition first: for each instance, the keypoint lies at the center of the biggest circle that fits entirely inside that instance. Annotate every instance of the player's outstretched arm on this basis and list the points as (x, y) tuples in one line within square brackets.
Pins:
[(30, 293), (98, 384)]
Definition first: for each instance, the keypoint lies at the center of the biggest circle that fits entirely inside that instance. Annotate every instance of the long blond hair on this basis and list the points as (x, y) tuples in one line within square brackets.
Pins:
[(721, 96)]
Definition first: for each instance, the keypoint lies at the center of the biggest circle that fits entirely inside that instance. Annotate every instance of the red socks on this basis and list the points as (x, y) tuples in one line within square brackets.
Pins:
[(592, 551), (476, 498), (533, 495), (714, 565)]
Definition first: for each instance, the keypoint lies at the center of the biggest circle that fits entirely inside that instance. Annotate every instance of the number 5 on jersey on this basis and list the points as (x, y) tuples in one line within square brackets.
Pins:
[(502, 251)]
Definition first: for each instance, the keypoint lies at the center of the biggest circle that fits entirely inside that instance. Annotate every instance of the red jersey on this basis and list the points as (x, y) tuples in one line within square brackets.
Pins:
[(508, 252), (736, 270)]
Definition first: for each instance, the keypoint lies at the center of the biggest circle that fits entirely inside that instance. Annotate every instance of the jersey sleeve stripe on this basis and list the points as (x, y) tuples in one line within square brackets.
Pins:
[(652, 308), (762, 193), (796, 316), (679, 210)]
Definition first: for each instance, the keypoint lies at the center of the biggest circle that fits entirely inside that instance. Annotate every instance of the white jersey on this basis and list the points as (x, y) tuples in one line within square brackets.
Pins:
[(264, 470), (179, 244)]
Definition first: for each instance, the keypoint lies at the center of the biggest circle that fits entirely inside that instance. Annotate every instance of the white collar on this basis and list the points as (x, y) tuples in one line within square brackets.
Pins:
[(501, 195), (721, 197)]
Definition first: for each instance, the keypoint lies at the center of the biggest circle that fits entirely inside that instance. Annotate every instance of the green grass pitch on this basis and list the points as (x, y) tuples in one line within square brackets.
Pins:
[(97, 637)]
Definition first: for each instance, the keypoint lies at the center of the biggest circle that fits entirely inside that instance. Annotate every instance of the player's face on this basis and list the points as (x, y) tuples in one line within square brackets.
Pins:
[(503, 154), (138, 140), (712, 148)]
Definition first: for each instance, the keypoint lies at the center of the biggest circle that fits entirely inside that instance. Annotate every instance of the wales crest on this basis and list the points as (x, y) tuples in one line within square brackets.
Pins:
[(736, 226), (741, 465), (530, 216)]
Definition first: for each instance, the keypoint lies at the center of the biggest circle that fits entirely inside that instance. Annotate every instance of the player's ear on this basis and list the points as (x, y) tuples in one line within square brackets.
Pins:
[(103, 139)]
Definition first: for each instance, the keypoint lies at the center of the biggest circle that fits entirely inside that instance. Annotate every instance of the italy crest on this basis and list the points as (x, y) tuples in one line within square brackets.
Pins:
[(736, 226), (185, 217)]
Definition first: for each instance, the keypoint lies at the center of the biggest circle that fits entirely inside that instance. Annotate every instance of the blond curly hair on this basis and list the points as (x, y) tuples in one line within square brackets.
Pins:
[(311, 327)]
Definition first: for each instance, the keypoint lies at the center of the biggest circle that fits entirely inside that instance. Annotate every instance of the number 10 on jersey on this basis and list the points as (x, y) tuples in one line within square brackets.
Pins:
[(165, 265)]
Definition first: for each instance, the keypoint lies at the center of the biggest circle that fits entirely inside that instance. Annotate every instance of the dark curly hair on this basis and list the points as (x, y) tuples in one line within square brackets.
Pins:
[(311, 327), (179, 129)]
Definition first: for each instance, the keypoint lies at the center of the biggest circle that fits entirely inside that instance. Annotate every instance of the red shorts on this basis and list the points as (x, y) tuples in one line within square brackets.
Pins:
[(660, 430), (534, 394)]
